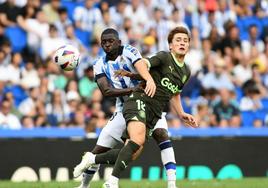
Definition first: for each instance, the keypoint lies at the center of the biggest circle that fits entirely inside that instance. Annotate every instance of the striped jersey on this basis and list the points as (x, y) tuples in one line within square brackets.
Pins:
[(126, 59)]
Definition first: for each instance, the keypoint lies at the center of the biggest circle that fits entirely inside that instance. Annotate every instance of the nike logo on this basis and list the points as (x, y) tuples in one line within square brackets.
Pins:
[(123, 162)]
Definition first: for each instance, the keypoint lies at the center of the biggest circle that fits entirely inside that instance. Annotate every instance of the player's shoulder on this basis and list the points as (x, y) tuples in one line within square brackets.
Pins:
[(162, 54), (99, 61), (127, 48)]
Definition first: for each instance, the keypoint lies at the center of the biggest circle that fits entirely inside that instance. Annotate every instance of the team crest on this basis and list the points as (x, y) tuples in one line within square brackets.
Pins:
[(184, 78), (142, 114)]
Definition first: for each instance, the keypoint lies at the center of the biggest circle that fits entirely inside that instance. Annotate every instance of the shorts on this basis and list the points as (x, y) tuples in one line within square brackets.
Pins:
[(111, 134), (139, 107)]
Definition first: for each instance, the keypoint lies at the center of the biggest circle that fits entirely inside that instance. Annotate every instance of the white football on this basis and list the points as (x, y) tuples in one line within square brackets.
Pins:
[(67, 57)]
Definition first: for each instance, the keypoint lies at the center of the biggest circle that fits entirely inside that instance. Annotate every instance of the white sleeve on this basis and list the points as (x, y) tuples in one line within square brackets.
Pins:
[(98, 68), (132, 53)]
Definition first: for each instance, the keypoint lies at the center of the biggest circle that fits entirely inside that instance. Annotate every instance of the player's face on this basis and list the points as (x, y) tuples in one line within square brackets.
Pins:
[(180, 44), (110, 43)]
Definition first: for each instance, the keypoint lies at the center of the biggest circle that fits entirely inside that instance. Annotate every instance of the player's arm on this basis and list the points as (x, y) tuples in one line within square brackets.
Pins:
[(122, 72), (188, 119), (108, 91), (142, 66)]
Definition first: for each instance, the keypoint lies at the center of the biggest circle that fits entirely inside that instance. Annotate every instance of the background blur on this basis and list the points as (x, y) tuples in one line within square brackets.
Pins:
[(227, 91), (228, 59)]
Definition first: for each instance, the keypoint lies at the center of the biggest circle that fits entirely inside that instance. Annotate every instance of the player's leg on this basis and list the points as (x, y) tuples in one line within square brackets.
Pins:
[(160, 134), (136, 131), (109, 137)]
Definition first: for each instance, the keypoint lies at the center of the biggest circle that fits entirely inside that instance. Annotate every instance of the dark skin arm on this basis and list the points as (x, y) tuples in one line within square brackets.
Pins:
[(108, 91), (122, 72)]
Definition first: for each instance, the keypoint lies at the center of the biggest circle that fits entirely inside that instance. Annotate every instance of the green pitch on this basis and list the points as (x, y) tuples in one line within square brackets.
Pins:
[(243, 183)]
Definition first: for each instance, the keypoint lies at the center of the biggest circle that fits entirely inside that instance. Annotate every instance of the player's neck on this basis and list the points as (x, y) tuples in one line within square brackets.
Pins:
[(179, 59)]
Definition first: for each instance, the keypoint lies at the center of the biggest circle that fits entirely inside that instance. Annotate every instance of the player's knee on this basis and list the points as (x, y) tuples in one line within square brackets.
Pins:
[(160, 135)]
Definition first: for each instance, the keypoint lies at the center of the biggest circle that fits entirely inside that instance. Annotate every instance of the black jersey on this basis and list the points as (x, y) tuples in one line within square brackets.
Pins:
[(169, 77)]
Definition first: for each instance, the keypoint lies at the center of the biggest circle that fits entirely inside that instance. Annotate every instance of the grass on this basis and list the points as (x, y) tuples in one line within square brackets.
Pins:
[(243, 183)]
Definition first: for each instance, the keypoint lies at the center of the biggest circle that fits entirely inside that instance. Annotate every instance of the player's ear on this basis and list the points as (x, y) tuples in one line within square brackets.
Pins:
[(119, 42)]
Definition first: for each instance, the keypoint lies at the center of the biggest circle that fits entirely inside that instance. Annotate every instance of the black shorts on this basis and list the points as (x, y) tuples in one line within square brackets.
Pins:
[(138, 107)]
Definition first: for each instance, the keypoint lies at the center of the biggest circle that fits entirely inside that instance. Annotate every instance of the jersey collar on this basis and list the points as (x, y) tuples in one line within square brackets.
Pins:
[(180, 64), (121, 48)]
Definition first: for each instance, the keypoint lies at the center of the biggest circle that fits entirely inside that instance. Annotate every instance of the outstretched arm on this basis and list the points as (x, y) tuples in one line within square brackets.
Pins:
[(122, 72), (142, 66), (108, 91), (187, 119)]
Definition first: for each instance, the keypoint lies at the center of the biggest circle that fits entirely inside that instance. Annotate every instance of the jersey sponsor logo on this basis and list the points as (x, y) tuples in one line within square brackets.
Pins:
[(168, 84)]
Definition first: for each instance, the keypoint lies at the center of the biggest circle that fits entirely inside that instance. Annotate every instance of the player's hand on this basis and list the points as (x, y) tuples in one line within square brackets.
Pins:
[(188, 120), (122, 72), (150, 88)]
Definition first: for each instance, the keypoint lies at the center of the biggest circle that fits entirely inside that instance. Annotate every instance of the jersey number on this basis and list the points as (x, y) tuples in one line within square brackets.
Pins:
[(141, 105)]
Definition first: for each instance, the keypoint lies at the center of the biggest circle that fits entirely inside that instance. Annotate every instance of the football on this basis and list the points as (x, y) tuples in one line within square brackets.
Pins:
[(67, 57)]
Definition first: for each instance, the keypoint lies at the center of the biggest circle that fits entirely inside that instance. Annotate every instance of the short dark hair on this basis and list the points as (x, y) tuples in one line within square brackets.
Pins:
[(179, 29), (110, 31)]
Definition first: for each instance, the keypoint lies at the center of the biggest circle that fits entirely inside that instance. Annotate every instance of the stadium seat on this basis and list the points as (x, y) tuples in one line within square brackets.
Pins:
[(244, 23), (17, 37), (247, 118), (84, 36), (70, 6), (264, 102)]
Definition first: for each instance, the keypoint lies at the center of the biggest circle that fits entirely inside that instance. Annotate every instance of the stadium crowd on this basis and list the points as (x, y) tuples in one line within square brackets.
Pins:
[(228, 58)]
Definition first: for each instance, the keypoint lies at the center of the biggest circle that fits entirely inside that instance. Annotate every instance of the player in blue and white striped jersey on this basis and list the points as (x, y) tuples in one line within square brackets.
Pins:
[(122, 57)]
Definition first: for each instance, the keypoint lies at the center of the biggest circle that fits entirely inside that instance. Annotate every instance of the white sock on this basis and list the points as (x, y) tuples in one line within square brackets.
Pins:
[(113, 180), (168, 159), (88, 175)]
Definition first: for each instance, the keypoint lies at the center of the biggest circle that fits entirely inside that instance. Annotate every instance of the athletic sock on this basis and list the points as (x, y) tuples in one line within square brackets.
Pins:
[(124, 157), (88, 175), (108, 157), (168, 159)]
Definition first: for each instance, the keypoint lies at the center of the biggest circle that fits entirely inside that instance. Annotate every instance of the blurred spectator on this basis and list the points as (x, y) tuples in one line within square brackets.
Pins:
[(173, 121), (47, 49), (138, 15), (9, 13), (87, 84), (13, 71), (225, 113), (27, 122), (252, 100), (8, 120), (219, 75), (51, 10), (73, 40), (63, 22), (28, 106), (29, 10), (117, 13), (242, 72), (85, 17), (203, 115), (57, 110), (8, 96), (37, 29), (105, 23), (29, 76), (91, 127), (88, 58), (230, 41), (252, 41)]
